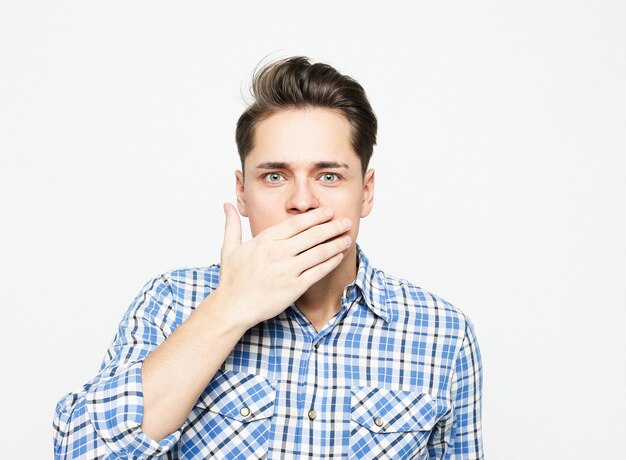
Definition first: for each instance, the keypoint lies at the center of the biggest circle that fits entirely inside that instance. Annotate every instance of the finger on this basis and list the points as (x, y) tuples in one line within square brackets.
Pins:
[(232, 228), (321, 253), (296, 224), (319, 271), (317, 234)]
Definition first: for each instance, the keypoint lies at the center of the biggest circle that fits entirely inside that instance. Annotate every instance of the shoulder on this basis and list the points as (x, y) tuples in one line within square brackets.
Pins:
[(192, 282), (168, 298), (178, 282), (410, 304)]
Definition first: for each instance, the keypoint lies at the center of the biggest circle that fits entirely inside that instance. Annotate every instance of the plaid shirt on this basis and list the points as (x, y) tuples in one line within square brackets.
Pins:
[(396, 373)]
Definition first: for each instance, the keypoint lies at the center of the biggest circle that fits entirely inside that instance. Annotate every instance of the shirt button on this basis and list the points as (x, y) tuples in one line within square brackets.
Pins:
[(312, 414), (317, 345), (378, 421), (244, 411)]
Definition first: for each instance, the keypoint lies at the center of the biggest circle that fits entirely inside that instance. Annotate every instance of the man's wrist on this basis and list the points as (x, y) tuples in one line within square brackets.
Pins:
[(221, 310)]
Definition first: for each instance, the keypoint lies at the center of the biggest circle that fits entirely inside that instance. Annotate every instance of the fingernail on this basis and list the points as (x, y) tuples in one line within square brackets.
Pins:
[(346, 222), (328, 212)]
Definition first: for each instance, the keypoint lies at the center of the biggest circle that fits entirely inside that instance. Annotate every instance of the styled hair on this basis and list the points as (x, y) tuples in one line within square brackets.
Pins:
[(295, 83)]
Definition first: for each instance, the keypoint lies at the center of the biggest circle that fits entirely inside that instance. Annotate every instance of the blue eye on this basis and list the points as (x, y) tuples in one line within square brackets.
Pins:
[(331, 174), (273, 174)]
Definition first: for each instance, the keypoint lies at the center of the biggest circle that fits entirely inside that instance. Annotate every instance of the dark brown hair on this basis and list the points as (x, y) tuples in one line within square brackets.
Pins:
[(295, 83)]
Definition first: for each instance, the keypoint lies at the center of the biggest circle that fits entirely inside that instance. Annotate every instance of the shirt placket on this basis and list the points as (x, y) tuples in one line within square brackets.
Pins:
[(315, 385)]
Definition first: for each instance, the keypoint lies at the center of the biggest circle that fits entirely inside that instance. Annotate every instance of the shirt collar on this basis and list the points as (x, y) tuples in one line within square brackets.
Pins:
[(372, 284)]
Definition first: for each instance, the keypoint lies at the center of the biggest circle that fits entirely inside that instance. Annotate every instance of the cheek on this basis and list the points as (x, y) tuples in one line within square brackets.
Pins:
[(344, 199), (345, 204), (262, 213)]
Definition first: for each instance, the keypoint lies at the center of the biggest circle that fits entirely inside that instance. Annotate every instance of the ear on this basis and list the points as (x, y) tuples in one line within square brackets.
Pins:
[(241, 200), (368, 193)]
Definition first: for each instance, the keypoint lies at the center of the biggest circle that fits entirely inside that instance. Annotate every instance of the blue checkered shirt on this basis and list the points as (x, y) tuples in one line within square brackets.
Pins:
[(396, 373)]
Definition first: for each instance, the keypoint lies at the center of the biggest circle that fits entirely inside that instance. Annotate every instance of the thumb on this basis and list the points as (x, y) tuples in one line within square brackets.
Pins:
[(232, 228)]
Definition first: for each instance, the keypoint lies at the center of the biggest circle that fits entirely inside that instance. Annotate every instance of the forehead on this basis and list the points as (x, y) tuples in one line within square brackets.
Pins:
[(303, 137)]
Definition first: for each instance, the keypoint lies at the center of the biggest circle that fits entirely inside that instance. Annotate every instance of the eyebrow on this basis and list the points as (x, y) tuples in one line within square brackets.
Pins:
[(315, 164)]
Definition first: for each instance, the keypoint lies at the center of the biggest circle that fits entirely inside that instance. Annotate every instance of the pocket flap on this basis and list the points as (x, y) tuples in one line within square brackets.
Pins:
[(239, 396), (388, 411)]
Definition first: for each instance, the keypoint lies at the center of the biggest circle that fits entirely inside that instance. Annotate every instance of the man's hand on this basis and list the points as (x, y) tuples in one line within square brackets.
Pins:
[(262, 277)]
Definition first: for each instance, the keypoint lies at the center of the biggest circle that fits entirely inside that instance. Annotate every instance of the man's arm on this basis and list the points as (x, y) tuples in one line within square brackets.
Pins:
[(104, 417), (147, 387), (109, 414), (459, 435)]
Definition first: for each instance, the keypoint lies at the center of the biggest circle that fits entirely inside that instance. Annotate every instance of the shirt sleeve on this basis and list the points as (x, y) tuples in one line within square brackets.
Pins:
[(103, 419), (458, 436)]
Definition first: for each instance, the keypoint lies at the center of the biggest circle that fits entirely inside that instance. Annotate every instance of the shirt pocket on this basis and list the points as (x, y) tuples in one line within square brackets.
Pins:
[(390, 423), (233, 417)]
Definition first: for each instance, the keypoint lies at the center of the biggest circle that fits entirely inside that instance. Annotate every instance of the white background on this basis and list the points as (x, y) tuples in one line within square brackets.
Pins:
[(500, 167)]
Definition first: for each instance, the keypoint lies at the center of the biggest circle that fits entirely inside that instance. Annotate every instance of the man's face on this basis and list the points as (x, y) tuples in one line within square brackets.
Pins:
[(285, 173)]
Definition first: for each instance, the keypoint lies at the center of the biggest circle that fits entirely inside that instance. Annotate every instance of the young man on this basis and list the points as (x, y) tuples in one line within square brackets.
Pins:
[(294, 346)]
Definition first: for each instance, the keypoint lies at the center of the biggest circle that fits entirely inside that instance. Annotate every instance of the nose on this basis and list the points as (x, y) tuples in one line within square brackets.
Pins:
[(302, 197)]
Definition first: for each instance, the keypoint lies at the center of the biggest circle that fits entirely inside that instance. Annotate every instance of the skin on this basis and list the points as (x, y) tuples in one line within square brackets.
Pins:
[(298, 253), (267, 194)]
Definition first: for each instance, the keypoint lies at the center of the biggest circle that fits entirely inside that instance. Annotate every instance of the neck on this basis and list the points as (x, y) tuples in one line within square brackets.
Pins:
[(323, 299)]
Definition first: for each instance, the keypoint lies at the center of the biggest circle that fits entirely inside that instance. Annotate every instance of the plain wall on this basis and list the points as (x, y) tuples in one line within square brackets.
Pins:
[(500, 171)]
